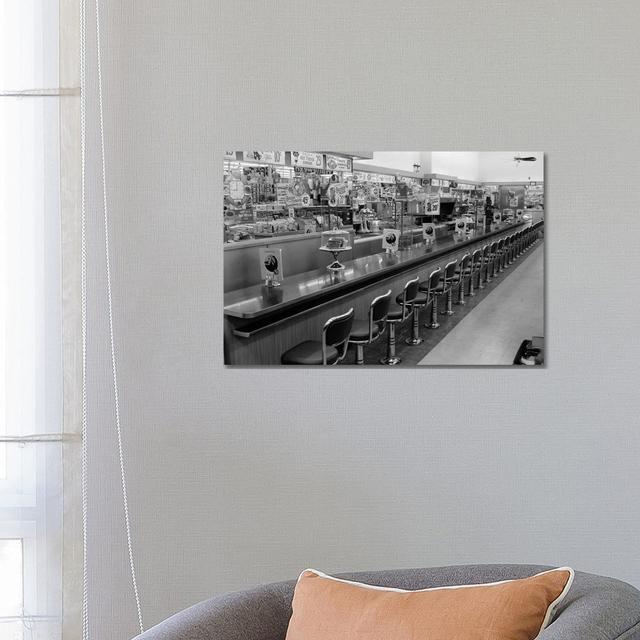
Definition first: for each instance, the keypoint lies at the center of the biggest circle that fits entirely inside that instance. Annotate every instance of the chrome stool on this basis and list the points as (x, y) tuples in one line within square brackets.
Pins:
[(331, 349), (419, 302), (500, 256), (462, 272), (491, 260), (482, 282), (445, 286), (475, 266), (428, 287), (398, 316), (367, 331)]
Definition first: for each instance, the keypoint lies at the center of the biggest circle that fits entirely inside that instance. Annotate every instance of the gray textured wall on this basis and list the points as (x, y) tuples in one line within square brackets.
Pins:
[(243, 476)]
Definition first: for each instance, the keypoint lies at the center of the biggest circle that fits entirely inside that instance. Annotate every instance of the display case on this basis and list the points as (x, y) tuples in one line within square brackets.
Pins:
[(274, 194)]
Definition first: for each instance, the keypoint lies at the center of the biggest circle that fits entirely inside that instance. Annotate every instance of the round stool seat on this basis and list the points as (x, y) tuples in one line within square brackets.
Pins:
[(440, 289), (360, 330), (308, 353), (467, 271), (395, 315), (418, 300)]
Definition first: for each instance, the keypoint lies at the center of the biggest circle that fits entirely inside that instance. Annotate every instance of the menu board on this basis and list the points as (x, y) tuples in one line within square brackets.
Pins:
[(307, 159), (270, 157), (337, 163)]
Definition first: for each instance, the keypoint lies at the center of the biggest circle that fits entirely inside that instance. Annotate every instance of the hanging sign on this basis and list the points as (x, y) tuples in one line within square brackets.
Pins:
[(307, 159), (390, 240), (271, 266), (461, 225), (428, 232), (229, 155), (269, 157), (337, 163)]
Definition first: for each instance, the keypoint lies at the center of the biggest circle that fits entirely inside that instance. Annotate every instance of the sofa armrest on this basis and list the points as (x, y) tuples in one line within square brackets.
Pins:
[(259, 614), (597, 608)]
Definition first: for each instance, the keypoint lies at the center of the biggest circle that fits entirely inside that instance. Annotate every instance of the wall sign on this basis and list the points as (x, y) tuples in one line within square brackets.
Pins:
[(270, 157), (307, 159), (337, 163)]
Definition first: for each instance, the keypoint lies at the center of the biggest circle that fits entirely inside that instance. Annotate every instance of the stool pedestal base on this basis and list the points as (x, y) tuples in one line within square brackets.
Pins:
[(415, 338), (391, 359), (434, 324)]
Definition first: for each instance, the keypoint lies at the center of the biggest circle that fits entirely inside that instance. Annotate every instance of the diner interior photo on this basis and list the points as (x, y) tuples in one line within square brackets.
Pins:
[(384, 258)]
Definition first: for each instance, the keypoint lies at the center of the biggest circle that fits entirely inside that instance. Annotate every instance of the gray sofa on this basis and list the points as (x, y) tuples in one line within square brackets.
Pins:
[(596, 608)]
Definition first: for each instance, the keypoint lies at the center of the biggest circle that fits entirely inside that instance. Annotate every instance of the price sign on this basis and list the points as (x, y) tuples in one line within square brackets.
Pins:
[(433, 205), (337, 163), (307, 159), (268, 157)]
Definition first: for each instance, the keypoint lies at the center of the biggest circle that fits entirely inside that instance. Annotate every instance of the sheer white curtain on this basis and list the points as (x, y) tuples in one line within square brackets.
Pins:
[(36, 192)]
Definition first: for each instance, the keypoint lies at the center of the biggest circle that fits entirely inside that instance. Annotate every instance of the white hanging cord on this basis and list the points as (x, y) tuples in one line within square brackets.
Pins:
[(105, 209), (83, 304)]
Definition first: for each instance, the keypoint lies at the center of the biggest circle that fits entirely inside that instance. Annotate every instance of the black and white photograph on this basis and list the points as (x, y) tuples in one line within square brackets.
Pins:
[(384, 258)]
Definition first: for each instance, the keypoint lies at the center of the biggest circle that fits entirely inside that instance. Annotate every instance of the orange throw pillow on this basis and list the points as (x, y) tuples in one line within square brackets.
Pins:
[(326, 608)]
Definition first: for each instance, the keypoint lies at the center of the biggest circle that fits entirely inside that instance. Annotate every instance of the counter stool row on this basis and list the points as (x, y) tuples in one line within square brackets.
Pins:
[(340, 331)]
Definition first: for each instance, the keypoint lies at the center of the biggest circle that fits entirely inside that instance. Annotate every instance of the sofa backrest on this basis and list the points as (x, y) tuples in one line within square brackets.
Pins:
[(594, 605)]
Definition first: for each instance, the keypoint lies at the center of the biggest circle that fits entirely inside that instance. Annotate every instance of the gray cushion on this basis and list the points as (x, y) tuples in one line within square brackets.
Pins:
[(596, 608)]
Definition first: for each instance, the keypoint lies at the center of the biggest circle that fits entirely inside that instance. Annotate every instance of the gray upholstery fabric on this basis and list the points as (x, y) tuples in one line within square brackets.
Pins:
[(596, 608)]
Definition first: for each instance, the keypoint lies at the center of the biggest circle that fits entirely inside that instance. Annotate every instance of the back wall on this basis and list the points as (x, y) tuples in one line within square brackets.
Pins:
[(243, 476)]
